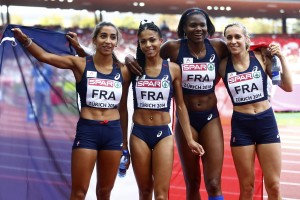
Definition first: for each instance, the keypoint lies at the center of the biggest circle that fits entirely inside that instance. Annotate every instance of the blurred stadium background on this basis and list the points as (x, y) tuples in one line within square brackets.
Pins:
[(35, 160)]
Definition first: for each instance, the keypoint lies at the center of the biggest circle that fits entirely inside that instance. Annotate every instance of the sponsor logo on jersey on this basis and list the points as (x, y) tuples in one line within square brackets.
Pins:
[(244, 77), (149, 83), (256, 74), (198, 67), (187, 60), (240, 78), (117, 77), (165, 84), (159, 134), (100, 82), (212, 57), (209, 117), (91, 74), (118, 84)]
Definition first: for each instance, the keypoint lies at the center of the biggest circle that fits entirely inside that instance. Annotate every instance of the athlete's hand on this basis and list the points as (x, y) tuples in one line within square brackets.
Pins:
[(274, 49), (133, 65), (19, 35), (196, 148), (73, 38)]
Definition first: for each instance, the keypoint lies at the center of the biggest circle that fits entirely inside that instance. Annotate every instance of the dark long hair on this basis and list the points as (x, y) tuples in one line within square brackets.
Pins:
[(193, 11), (96, 31), (144, 25)]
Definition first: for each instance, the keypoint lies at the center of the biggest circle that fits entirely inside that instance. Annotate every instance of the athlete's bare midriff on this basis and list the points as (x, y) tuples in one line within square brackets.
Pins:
[(253, 108), (99, 113), (200, 102), (149, 117)]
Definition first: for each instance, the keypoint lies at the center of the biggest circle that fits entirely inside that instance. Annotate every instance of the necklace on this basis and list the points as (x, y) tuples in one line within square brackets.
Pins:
[(195, 54)]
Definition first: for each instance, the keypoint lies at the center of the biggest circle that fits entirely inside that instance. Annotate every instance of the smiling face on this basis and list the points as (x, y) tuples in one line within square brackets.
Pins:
[(236, 38), (106, 40), (196, 28), (150, 43)]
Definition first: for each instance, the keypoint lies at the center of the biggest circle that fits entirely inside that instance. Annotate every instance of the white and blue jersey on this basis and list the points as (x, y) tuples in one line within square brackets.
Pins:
[(99, 90), (246, 87), (198, 75), (153, 93)]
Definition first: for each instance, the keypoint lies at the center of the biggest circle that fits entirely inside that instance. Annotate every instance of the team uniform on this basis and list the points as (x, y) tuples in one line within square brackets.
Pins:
[(247, 87), (104, 91), (153, 93), (199, 77)]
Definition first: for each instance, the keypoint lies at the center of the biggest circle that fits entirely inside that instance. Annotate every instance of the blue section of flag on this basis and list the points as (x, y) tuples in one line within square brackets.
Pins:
[(51, 41)]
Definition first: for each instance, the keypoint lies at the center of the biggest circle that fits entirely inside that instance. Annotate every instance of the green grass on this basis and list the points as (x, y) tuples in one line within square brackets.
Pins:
[(288, 118)]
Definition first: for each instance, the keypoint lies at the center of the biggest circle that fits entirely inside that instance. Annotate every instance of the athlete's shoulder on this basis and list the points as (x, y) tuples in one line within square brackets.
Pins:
[(174, 67), (171, 43), (220, 47)]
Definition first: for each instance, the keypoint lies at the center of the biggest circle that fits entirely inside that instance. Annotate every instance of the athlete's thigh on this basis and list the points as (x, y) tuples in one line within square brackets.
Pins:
[(108, 162), (162, 162), (244, 157), (211, 138), (189, 161), (83, 163), (269, 156), (141, 156)]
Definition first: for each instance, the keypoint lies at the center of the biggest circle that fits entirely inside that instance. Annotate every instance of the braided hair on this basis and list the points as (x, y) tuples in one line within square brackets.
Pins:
[(145, 25), (187, 14), (96, 31)]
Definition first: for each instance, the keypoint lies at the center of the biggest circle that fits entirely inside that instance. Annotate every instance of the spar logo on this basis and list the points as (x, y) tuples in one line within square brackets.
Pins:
[(100, 82), (194, 67), (149, 83), (198, 67), (244, 77)]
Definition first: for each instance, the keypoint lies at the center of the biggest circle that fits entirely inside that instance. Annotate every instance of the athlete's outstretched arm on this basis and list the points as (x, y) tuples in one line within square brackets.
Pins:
[(64, 62)]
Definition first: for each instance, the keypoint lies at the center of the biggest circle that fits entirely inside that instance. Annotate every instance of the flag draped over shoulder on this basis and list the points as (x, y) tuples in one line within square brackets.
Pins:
[(35, 137)]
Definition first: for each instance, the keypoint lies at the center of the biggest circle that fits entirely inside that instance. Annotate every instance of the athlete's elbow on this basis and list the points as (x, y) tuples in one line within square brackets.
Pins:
[(288, 88)]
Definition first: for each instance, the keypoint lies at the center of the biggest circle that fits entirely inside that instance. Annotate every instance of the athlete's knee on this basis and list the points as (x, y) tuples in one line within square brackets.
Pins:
[(78, 193), (145, 192), (247, 190), (193, 185), (273, 189), (103, 192), (161, 196), (213, 187), (161, 193)]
